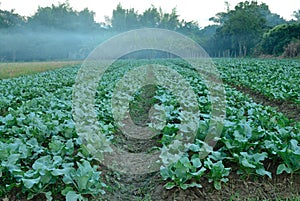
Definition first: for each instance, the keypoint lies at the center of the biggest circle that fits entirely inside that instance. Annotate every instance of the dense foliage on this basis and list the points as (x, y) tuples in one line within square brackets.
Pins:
[(40, 150), (276, 79), (276, 39), (41, 154)]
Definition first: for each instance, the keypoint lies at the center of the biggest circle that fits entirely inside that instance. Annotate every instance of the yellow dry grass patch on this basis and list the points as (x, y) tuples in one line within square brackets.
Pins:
[(10, 70)]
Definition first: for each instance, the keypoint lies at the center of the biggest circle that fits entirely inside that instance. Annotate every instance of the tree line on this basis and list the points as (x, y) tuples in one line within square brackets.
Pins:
[(59, 32)]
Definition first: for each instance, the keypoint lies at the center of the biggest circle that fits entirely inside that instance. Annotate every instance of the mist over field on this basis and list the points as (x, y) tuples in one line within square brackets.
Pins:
[(61, 33), (52, 33), (42, 45)]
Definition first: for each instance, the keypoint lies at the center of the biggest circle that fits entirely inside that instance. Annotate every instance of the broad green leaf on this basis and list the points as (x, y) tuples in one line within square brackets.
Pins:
[(28, 183), (194, 184), (217, 185), (199, 172), (185, 162), (281, 168), (68, 175), (194, 147), (295, 146), (73, 196), (183, 186), (196, 162), (43, 163), (260, 156), (49, 196), (169, 185), (181, 171), (262, 172), (58, 172), (245, 163), (164, 172), (66, 190), (82, 182)]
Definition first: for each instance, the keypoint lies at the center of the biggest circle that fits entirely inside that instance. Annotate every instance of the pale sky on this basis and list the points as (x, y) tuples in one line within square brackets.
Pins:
[(196, 10)]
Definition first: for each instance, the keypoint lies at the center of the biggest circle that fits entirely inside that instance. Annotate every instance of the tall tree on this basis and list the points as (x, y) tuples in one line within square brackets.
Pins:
[(241, 28), (10, 19), (63, 17), (169, 20), (124, 19), (272, 19), (280, 36), (150, 17), (296, 14), (118, 21)]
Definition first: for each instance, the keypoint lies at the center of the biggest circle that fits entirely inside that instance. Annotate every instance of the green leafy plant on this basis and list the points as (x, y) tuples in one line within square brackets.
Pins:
[(41, 153), (182, 172), (217, 173)]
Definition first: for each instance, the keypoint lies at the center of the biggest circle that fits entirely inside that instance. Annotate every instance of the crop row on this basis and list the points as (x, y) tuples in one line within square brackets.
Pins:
[(276, 79), (41, 153)]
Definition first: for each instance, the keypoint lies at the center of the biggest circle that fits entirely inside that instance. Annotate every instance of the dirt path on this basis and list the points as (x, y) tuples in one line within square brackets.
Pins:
[(280, 187), (150, 188)]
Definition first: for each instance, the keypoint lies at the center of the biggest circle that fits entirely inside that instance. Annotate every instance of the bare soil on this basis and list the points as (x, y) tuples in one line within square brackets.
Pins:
[(151, 187)]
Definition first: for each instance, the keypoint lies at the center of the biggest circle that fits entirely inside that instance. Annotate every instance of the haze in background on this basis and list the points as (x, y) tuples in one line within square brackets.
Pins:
[(63, 31), (189, 10)]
